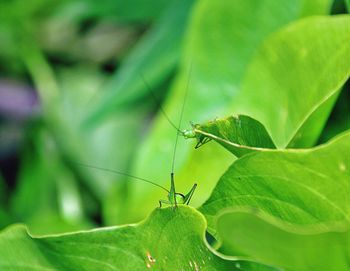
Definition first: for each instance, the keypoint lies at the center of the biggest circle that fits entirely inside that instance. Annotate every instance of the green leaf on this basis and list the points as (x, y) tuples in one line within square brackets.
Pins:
[(220, 60), (238, 134), (154, 58), (168, 240), (222, 39), (300, 187), (292, 249), (296, 77)]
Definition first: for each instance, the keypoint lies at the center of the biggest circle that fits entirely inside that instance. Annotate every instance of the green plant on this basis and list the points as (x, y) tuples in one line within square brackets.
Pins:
[(272, 194)]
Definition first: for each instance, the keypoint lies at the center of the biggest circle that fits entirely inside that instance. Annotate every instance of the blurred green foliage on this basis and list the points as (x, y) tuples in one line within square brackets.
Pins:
[(71, 52), (86, 60), (77, 86)]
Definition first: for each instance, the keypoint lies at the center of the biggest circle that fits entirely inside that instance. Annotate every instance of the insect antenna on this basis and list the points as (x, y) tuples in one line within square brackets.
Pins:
[(181, 116), (159, 105), (122, 174)]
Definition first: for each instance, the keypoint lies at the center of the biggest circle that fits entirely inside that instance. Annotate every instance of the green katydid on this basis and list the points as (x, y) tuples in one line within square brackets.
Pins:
[(174, 198)]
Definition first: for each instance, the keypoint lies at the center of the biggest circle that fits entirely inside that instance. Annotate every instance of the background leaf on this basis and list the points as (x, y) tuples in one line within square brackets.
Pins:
[(154, 58), (297, 101)]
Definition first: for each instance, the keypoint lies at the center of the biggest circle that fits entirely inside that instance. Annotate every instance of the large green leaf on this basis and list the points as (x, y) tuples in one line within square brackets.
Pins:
[(222, 39), (281, 245), (301, 187), (168, 240), (296, 77)]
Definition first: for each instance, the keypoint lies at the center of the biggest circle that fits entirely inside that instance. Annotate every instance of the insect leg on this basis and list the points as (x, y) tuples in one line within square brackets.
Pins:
[(203, 141), (172, 193), (206, 140), (189, 195), (199, 143)]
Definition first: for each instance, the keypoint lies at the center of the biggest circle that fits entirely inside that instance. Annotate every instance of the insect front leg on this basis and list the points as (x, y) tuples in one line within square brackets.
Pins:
[(202, 142)]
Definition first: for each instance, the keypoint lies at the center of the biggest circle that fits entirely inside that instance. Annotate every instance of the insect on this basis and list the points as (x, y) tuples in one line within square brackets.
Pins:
[(173, 198)]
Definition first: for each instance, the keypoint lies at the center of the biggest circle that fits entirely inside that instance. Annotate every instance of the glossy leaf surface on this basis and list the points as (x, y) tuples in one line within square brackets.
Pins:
[(301, 187), (167, 240)]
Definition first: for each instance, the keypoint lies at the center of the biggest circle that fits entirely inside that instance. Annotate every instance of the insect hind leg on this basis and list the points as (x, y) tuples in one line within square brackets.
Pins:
[(189, 195)]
